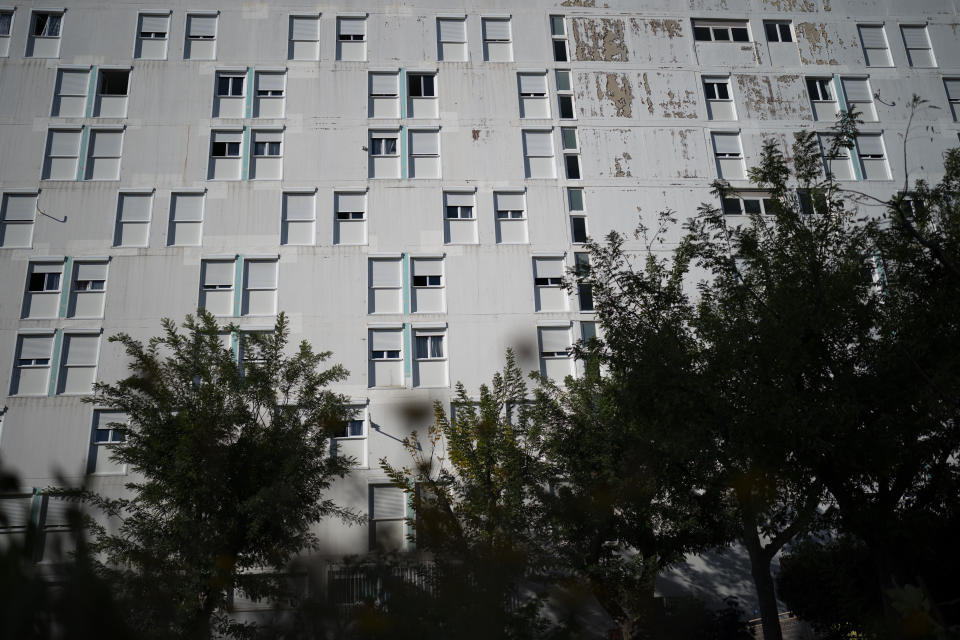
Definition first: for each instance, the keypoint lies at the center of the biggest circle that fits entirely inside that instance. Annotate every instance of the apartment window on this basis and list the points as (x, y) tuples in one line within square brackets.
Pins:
[(549, 294), (186, 219), (719, 99), (729, 156), (230, 99), (270, 92), (917, 42), (133, 219), (386, 358), (6, 27), (578, 229), (571, 152), (216, 286), (952, 87), (822, 101), (452, 39), (31, 375), (42, 296), (63, 150), (267, 160), (778, 31), (152, 30), (108, 430), (70, 98), (721, 31), (384, 154), (112, 90), (581, 262), (558, 34), (563, 80), (386, 285), (424, 153), (225, 155), (745, 204), (538, 153), (427, 295), (88, 293), (554, 351), (201, 43), (876, 51), (430, 358), (384, 94), (351, 38), (351, 442), (103, 159), (355, 427), (78, 363), (511, 218), (387, 518), (16, 220), (459, 221), (836, 158), (299, 218), (350, 223), (497, 40), (534, 102), (574, 199), (44, 38), (423, 95), (588, 331), (565, 96), (304, 38), (873, 158), (857, 93), (260, 287)]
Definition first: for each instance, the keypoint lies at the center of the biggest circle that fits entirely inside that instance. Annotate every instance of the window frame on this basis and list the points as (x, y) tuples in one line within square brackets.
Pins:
[(559, 37), (226, 148), (65, 364), (765, 202), (6, 222), (246, 288), (821, 83), (909, 49), (202, 38), (883, 30), (34, 16), (45, 287), (717, 81), (20, 363), (231, 76), (498, 210), (430, 335), (8, 11), (48, 156), (172, 236), (395, 285), (779, 31), (118, 234), (373, 146), (291, 34), (714, 27), (285, 219), (420, 84), (104, 73), (351, 37)]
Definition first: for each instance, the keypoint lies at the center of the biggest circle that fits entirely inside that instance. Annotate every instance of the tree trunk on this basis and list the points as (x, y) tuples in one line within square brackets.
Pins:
[(760, 570)]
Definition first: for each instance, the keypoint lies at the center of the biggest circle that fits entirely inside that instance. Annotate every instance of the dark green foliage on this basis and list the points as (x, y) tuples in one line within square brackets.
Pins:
[(231, 464)]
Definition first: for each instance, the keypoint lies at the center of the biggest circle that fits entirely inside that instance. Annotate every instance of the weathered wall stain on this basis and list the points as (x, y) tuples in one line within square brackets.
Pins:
[(617, 90), (621, 170), (670, 28), (659, 40), (681, 103), (791, 5), (768, 98), (599, 39), (578, 3), (815, 45), (667, 96), (648, 95)]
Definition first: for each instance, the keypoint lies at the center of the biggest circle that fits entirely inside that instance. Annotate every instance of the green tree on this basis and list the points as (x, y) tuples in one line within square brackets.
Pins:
[(231, 465), (473, 485)]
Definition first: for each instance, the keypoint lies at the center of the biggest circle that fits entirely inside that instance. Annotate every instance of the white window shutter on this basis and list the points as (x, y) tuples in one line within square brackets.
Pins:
[(384, 84), (427, 267), (856, 89), (260, 274), (91, 271), (496, 28), (299, 206), (228, 136), (726, 143), (135, 207), (81, 349), (351, 202), (19, 207), (106, 144), (452, 29), (424, 143), (305, 28), (870, 145), (218, 272), (352, 26), (385, 340), (510, 202), (188, 207), (554, 339), (154, 23), (64, 143), (268, 136), (202, 26), (533, 83), (459, 199), (538, 143), (270, 81), (872, 37), (103, 419), (389, 503), (46, 267), (35, 347), (74, 82), (953, 88), (915, 37), (385, 272), (548, 267)]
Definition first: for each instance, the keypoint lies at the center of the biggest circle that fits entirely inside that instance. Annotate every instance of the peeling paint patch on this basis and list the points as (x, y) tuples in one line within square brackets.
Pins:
[(670, 28), (599, 40), (815, 44), (648, 98), (578, 3), (680, 104), (476, 134), (620, 167), (791, 5), (826, 5), (619, 92), (768, 98)]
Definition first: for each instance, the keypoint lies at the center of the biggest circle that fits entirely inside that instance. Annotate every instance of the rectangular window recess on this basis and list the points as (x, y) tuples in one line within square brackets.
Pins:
[(428, 325), (355, 14)]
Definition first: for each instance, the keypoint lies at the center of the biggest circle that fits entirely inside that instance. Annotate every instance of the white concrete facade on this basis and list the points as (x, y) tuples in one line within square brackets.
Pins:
[(408, 183)]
